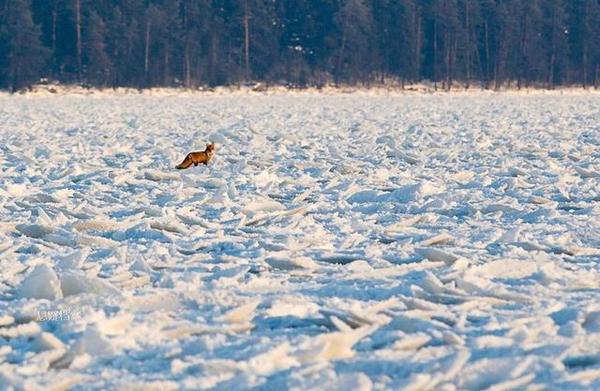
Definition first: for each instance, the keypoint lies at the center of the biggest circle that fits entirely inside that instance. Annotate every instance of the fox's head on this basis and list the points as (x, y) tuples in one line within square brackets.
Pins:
[(210, 148)]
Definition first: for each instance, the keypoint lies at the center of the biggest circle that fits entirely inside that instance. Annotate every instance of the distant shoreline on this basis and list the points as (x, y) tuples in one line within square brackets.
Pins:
[(260, 89)]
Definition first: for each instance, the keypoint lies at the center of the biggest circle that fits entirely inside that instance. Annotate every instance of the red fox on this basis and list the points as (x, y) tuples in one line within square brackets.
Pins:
[(196, 158)]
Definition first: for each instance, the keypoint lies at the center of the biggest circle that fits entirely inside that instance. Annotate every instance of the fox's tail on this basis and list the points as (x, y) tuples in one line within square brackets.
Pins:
[(185, 163)]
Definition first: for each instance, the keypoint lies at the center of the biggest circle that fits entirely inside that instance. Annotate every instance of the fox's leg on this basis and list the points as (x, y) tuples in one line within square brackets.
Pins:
[(195, 164)]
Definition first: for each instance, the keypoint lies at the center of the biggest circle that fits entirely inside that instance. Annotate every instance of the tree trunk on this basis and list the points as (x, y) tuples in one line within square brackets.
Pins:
[(585, 49), (186, 50), (452, 60), (54, 18), (246, 42), (186, 65), (468, 48), (479, 65), (497, 72), (447, 49), (584, 66), (147, 51), (115, 69), (214, 58), (435, 55), (14, 70), (523, 59), (78, 28), (552, 70), (553, 53), (487, 55), (166, 67), (342, 49), (417, 54)]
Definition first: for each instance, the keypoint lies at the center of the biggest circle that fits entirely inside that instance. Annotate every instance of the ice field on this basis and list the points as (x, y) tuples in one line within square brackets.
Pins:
[(336, 241)]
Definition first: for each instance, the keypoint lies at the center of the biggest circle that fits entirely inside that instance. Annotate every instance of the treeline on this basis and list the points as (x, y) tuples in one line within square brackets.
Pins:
[(146, 43)]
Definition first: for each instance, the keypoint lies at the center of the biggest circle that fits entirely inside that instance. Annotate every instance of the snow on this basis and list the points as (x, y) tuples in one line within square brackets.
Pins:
[(362, 240), (41, 283)]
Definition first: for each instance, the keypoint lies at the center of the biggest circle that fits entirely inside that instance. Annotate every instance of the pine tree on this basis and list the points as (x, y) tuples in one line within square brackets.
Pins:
[(307, 41), (170, 42), (527, 57), (144, 43), (471, 19), (555, 41), (583, 30), (354, 21), (397, 32), (195, 27), (95, 60), (504, 34), (264, 26), (25, 54), (3, 50), (117, 46)]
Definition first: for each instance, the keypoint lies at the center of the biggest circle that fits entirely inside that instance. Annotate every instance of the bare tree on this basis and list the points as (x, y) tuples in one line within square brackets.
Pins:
[(78, 32)]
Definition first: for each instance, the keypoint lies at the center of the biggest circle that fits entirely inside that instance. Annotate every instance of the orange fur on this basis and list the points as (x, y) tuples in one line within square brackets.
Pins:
[(196, 158)]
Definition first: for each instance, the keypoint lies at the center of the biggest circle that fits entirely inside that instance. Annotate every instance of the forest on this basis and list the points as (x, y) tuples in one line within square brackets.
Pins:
[(205, 43)]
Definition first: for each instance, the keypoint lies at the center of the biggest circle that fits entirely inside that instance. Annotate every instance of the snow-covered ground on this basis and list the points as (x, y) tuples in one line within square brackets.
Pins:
[(340, 241)]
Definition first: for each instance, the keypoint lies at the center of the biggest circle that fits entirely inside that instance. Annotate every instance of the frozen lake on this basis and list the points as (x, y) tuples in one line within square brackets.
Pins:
[(442, 241)]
